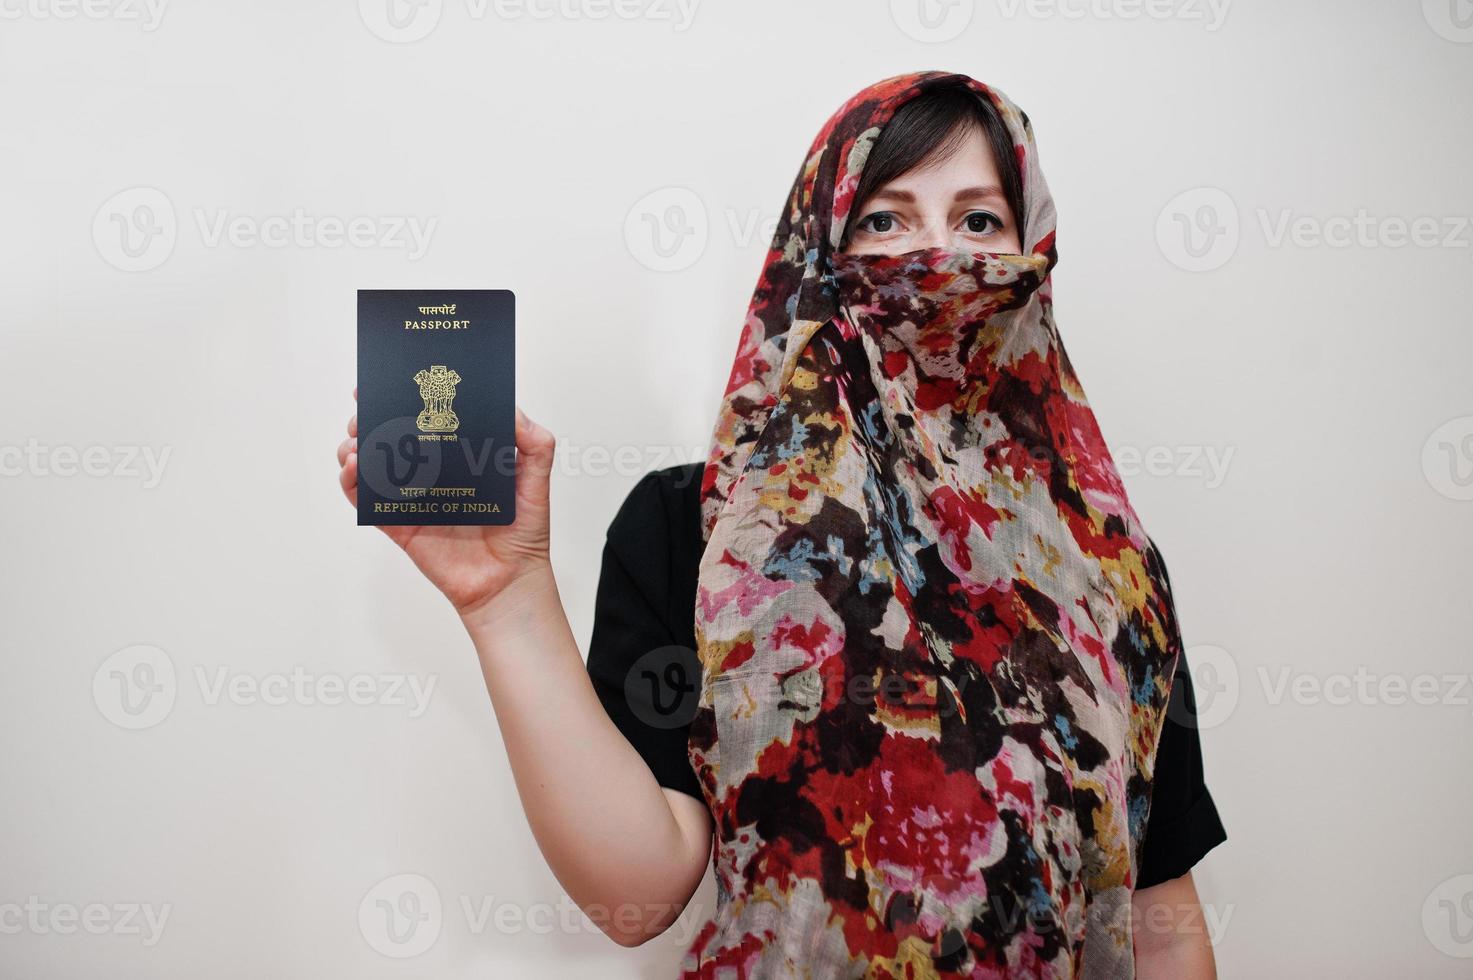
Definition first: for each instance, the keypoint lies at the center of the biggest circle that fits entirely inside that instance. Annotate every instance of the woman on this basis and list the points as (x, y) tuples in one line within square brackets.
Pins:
[(904, 649)]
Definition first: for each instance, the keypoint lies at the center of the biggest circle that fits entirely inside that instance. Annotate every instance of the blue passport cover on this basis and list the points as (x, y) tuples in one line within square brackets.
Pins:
[(436, 406)]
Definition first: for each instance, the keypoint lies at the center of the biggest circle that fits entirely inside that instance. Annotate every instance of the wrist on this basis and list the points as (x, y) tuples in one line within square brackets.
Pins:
[(517, 605)]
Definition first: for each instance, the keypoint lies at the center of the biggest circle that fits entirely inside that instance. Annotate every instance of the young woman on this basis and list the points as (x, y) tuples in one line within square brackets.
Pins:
[(896, 659)]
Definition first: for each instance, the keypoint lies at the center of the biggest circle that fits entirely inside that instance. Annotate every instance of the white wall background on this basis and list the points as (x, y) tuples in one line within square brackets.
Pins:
[(1334, 380)]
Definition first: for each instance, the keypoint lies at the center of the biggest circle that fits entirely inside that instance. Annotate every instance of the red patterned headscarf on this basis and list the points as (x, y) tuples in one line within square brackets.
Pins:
[(936, 642)]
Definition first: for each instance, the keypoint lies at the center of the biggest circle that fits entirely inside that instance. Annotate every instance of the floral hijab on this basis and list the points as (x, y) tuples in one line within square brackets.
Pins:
[(936, 642)]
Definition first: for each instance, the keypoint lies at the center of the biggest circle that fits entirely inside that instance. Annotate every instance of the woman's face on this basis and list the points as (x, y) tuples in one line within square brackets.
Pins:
[(954, 201)]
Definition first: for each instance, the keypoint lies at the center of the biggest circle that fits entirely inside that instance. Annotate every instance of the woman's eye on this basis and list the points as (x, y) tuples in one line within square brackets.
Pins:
[(879, 222), (980, 222)]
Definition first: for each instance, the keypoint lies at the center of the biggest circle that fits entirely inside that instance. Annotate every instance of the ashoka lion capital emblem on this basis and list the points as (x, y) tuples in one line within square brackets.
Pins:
[(437, 388)]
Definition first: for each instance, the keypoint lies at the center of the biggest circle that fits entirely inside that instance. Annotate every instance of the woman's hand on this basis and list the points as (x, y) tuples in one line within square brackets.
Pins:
[(473, 565)]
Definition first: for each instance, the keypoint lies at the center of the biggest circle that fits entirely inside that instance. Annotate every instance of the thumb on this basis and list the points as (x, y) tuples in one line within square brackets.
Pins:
[(535, 448)]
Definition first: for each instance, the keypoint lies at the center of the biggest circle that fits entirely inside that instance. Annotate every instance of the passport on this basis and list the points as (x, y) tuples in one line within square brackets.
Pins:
[(436, 406)]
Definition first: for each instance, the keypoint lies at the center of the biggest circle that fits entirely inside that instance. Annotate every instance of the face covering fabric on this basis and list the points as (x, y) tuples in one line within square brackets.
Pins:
[(936, 641)]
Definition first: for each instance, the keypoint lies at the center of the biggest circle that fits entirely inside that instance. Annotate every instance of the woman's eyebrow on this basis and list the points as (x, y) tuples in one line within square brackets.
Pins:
[(985, 190), (906, 197), (893, 194)]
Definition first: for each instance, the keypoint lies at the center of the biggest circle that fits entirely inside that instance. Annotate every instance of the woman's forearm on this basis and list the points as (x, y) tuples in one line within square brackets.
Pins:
[(627, 853), (1172, 941)]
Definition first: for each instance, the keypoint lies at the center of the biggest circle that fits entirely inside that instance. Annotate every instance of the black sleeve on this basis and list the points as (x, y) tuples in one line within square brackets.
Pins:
[(1183, 824), (642, 663)]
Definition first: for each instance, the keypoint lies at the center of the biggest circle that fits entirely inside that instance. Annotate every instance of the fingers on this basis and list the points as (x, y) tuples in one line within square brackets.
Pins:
[(535, 446), (348, 458), (348, 477)]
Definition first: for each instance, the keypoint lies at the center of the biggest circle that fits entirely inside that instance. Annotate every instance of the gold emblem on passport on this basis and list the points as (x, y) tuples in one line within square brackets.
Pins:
[(437, 388)]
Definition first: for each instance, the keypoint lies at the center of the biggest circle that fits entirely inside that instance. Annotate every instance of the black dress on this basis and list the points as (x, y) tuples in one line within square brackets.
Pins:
[(642, 661)]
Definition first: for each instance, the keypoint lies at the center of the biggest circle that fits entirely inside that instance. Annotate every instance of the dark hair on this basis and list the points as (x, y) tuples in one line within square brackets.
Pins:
[(937, 122)]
